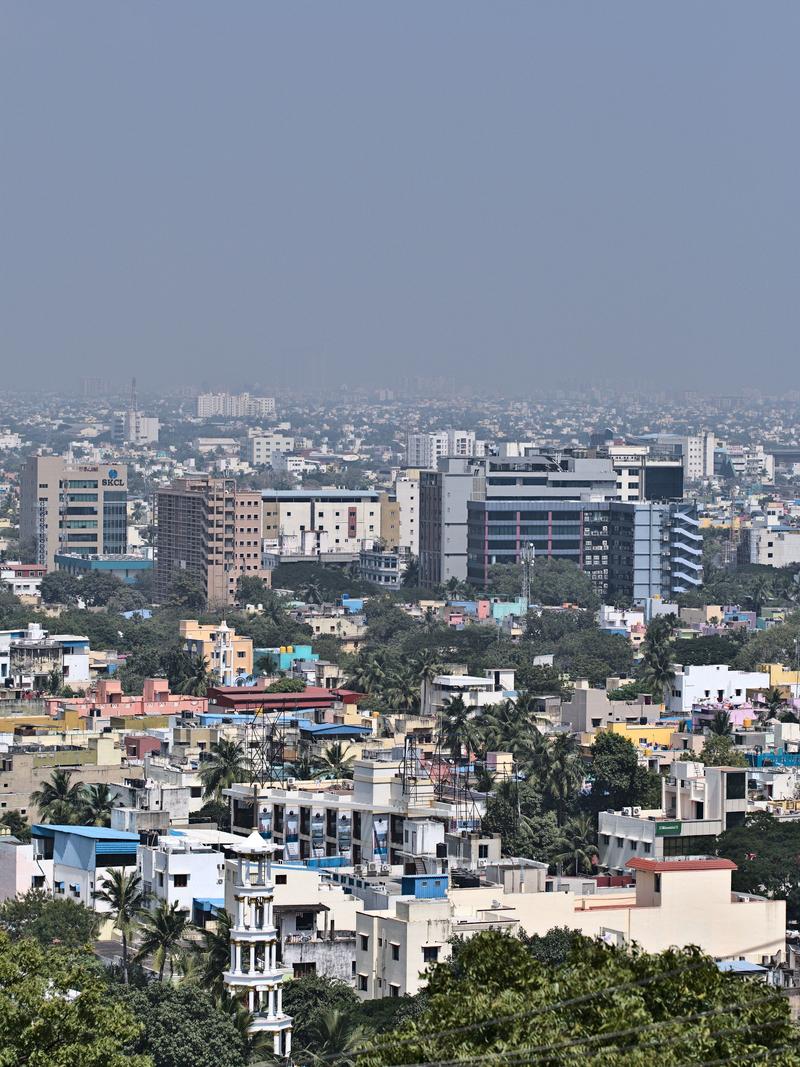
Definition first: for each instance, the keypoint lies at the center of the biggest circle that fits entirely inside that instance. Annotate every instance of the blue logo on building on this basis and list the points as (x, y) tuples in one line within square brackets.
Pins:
[(113, 474)]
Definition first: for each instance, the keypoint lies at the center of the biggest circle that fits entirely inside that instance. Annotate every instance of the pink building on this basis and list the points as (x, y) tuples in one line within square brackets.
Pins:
[(108, 699)]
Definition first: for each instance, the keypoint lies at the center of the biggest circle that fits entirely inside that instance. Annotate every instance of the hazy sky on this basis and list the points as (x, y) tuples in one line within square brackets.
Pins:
[(239, 192)]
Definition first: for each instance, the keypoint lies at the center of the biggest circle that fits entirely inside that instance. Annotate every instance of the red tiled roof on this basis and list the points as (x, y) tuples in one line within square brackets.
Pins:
[(697, 863)]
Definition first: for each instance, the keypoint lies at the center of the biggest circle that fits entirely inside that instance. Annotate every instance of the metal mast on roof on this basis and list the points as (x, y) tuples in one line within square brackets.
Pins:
[(265, 740)]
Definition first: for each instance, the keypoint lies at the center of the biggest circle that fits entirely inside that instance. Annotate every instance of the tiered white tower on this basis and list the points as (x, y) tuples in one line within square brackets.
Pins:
[(253, 975)]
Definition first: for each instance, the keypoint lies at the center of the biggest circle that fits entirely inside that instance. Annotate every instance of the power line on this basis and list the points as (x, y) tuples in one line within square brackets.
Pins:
[(532, 1013), (524, 1056)]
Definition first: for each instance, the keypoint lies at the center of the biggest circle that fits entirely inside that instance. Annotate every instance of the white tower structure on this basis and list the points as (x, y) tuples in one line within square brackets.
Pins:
[(253, 975), (222, 665)]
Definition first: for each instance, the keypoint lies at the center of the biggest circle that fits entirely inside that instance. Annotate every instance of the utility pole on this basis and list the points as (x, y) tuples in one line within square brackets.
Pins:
[(527, 557)]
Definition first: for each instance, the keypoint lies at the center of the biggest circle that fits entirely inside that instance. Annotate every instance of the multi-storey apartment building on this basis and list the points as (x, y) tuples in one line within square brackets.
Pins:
[(426, 449), (66, 507), (262, 447), (234, 406), (319, 522), (210, 529)]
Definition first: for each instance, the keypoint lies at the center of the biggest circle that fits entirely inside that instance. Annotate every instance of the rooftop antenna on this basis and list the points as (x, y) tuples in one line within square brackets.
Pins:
[(133, 395)]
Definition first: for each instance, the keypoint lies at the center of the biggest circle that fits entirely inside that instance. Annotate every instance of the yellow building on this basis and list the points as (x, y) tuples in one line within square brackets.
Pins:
[(229, 656), (782, 678), (644, 733)]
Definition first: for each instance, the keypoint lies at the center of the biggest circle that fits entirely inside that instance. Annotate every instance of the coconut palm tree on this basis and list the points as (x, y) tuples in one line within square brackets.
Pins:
[(98, 802), (401, 693), (425, 665), (212, 953), (336, 762), (760, 592), (199, 679), (59, 799), (162, 932), (458, 729), (335, 1035), (579, 855), (312, 593), (658, 671), (368, 672), (305, 768), (773, 699), (563, 776), (225, 764), (720, 725), (123, 894)]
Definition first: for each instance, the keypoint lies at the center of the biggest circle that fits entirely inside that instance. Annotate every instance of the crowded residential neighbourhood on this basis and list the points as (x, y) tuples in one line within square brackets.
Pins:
[(292, 774)]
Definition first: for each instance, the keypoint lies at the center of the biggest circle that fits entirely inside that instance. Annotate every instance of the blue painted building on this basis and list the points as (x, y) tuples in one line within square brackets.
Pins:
[(82, 856), (125, 567)]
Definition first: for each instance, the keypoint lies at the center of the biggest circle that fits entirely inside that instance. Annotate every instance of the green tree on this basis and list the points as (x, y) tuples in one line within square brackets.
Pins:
[(187, 591), (604, 1007), (161, 935), (183, 1027), (250, 590), (595, 655), (214, 810), (720, 751), (59, 799), (617, 779), (224, 764), (458, 729), (765, 851), (48, 920), (199, 680), (212, 952), (286, 685), (337, 1035), (17, 825), (98, 802), (306, 998), (336, 761), (58, 587), (122, 892), (55, 1011), (580, 846), (720, 724)]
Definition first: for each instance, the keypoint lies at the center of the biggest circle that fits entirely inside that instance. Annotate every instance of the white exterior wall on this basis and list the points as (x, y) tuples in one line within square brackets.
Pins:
[(407, 493), (18, 869), (774, 548), (262, 447), (717, 682), (202, 867)]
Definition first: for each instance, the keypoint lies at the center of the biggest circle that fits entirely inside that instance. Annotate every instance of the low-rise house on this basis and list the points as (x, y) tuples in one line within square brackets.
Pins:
[(590, 709), (82, 857), (700, 684)]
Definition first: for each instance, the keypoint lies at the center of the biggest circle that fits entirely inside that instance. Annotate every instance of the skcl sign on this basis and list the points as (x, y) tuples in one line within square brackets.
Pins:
[(113, 478)]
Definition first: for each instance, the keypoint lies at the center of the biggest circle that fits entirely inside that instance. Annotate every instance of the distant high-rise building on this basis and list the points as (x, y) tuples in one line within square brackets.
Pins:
[(234, 406), (133, 428), (66, 507), (424, 450), (211, 530)]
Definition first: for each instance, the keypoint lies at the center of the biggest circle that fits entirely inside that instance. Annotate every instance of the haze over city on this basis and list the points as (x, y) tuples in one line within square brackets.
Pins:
[(522, 193)]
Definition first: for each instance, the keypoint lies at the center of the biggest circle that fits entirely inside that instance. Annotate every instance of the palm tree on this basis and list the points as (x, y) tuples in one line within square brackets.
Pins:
[(580, 852), (658, 671), (305, 768), (17, 825), (335, 1034), (199, 679), (458, 730), (760, 592), (411, 575), (563, 776), (225, 764), (369, 672), (773, 699), (98, 802), (212, 952), (401, 693), (720, 725), (162, 933), (312, 593), (59, 799), (336, 762), (425, 665), (55, 679), (123, 894)]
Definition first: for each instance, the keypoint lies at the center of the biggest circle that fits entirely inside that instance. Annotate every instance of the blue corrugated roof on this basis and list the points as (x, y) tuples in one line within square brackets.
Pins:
[(332, 729), (740, 967), (97, 833)]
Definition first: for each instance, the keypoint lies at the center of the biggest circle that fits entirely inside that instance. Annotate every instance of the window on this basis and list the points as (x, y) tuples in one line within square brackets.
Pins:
[(483, 852), (305, 920), (394, 990), (180, 881), (363, 942), (430, 953), (280, 879), (657, 883), (302, 969), (395, 951), (362, 983)]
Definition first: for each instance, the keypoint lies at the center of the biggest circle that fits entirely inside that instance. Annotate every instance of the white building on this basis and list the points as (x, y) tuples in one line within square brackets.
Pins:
[(698, 456), (314, 522), (263, 447), (424, 450), (134, 428), (698, 804), (476, 691), (407, 494), (774, 546), (235, 406), (179, 869), (715, 683), (20, 870)]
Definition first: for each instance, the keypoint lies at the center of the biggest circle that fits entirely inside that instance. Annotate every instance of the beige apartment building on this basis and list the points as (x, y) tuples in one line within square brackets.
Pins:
[(73, 508), (675, 902), (212, 530)]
